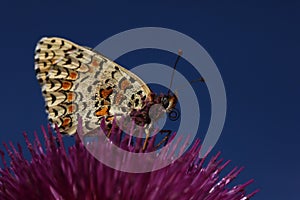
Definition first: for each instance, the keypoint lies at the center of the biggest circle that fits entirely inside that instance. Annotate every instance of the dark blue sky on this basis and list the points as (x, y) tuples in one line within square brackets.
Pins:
[(255, 45)]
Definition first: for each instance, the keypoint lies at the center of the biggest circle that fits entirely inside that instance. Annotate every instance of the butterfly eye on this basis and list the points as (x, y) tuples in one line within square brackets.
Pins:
[(174, 114)]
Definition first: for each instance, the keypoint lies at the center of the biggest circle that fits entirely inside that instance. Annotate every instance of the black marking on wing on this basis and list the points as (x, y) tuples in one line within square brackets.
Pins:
[(132, 80), (84, 79), (53, 98), (97, 73), (80, 96), (79, 55), (96, 82), (89, 115), (89, 89), (69, 61), (136, 102), (84, 105), (113, 74), (76, 87)]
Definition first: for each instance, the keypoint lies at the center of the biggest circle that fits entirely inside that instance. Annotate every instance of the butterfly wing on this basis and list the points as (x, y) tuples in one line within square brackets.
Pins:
[(77, 80)]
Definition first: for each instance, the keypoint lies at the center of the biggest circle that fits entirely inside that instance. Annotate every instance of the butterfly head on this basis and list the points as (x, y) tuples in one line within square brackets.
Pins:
[(169, 102)]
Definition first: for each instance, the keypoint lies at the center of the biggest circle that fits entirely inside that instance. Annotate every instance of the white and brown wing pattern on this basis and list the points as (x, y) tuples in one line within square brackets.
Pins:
[(76, 80)]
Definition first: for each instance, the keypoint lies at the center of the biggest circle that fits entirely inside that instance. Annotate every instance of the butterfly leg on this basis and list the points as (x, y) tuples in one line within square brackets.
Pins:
[(165, 139), (108, 123), (163, 142), (109, 130), (146, 139)]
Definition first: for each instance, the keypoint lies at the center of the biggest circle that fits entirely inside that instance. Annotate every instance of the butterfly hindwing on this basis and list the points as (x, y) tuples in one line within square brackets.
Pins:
[(77, 80)]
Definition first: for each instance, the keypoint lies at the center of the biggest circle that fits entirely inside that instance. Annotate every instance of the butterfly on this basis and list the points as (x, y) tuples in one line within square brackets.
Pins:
[(78, 80)]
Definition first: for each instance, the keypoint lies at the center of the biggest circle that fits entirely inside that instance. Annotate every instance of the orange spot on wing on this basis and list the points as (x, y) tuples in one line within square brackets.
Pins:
[(53, 61), (102, 112), (84, 68), (73, 75), (95, 63), (71, 96), (124, 84), (119, 97), (66, 121), (105, 93), (109, 118), (91, 70), (66, 85), (106, 102), (71, 108)]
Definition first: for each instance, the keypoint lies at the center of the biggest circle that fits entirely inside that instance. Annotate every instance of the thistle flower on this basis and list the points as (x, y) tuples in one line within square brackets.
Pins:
[(55, 172)]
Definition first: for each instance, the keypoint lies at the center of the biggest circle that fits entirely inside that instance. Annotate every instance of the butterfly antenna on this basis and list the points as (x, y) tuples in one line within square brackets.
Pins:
[(174, 68), (201, 79)]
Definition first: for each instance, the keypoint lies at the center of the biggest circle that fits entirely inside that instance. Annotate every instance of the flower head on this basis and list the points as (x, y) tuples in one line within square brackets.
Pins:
[(73, 173)]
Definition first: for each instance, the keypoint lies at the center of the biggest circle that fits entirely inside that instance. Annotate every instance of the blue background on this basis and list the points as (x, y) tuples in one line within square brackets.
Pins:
[(254, 44)]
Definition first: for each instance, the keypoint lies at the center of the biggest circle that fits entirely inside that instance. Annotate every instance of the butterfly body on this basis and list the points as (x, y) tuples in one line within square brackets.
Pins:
[(77, 80)]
